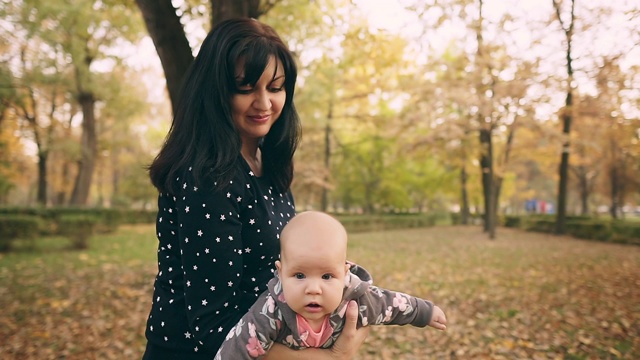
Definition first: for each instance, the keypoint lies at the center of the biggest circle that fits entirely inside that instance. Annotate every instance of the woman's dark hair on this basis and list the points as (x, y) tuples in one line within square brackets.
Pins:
[(203, 137)]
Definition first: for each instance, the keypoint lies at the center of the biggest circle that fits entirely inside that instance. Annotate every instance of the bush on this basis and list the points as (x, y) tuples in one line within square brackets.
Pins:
[(512, 221), (78, 228), (26, 227), (581, 227), (362, 223), (626, 232), (590, 229)]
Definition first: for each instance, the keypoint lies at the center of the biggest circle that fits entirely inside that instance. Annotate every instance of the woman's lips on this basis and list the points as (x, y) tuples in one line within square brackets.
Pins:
[(259, 118)]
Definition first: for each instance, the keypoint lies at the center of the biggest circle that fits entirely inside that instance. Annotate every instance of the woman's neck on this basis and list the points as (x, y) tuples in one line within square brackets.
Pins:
[(253, 157)]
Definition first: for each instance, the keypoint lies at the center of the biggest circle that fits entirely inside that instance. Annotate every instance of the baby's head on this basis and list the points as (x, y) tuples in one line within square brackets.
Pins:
[(312, 264)]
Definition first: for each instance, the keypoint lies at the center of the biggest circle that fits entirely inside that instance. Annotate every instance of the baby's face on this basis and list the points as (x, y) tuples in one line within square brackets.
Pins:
[(313, 281)]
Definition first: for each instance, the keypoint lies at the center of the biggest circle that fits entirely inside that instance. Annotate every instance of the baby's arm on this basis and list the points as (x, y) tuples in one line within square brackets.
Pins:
[(253, 335), (382, 306)]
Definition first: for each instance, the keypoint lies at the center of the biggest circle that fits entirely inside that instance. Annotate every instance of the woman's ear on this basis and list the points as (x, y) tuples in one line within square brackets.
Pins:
[(346, 268)]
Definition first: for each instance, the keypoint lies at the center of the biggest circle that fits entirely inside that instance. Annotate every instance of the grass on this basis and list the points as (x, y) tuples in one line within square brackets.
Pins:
[(522, 296)]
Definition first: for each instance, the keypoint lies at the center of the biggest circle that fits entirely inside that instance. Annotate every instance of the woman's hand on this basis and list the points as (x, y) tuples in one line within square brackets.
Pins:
[(345, 348), (350, 340)]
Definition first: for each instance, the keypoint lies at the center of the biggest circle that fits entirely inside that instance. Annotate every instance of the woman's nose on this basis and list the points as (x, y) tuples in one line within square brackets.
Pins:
[(262, 100)]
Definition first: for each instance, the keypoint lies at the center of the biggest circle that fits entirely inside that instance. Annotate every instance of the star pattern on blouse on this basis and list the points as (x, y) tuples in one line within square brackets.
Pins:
[(187, 269)]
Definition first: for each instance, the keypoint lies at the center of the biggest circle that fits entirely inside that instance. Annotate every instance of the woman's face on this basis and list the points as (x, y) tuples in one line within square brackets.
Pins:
[(256, 108)]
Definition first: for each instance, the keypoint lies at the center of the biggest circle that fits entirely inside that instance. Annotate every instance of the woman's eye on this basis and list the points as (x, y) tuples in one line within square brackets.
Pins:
[(276, 89), (299, 276), (327, 277)]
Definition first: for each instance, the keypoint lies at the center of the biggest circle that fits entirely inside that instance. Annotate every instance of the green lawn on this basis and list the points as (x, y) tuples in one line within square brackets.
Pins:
[(522, 296)]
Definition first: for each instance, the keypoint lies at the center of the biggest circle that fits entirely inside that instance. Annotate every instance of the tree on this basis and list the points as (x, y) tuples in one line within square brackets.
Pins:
[(567, 24)]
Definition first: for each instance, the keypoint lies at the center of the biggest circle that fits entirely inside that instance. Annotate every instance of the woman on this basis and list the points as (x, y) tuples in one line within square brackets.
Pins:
[(224, 176)]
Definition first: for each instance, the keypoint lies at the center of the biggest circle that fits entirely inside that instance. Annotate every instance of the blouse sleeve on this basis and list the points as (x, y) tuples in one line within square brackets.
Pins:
[(210, 244)]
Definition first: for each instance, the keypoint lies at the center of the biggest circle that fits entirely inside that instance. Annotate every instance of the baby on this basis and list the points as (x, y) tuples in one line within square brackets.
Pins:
[(305, 303)]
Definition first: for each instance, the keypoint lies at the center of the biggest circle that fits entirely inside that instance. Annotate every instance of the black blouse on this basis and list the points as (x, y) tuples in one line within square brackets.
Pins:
[(216, 253)]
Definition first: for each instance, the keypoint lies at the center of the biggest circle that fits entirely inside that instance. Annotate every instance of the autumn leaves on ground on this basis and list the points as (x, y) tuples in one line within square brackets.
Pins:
[(522, 296)]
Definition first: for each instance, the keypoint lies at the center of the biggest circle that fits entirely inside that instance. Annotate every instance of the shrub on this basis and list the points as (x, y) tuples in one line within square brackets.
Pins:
[(362, 223), (12, 227), (512, 221), (78, 228)]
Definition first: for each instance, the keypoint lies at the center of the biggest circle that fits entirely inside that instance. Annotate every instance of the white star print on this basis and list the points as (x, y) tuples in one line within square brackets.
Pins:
[(204, 302), (239, 199), (207, 216), (230, 283), (252, 221), (186, 209), (247, 250), (199, 232), (206, 251), (187, 335), (222, 217), (217, 239)]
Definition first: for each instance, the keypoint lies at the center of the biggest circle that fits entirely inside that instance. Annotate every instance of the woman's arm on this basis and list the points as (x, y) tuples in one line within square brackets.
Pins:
[(345, 348)]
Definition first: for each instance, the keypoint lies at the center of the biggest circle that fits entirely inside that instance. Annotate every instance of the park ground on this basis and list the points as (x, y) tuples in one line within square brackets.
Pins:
[(521, 296)]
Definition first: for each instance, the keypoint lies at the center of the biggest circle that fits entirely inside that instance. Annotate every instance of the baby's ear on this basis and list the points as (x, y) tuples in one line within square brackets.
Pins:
[(278, 265)]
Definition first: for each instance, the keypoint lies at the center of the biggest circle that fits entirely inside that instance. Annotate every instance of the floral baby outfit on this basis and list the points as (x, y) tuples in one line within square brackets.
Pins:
[(271, 320)]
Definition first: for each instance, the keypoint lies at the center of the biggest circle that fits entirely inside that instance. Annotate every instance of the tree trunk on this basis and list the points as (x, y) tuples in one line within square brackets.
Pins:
[(566, 123), (486, 164), (41, 197), (464, 210), (615, 196), (89, 146), (327, 157), (227, 9), (170, 40)]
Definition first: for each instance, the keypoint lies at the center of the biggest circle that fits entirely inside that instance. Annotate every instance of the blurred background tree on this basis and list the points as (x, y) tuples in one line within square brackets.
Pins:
[(458, 107)]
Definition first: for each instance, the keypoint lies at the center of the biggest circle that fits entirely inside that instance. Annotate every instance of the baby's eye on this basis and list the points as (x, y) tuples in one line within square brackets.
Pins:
[(299, 276), (327, 277)]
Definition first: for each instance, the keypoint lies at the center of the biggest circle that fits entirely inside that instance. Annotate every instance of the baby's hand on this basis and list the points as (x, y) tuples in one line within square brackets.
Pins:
[(438, 320)]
